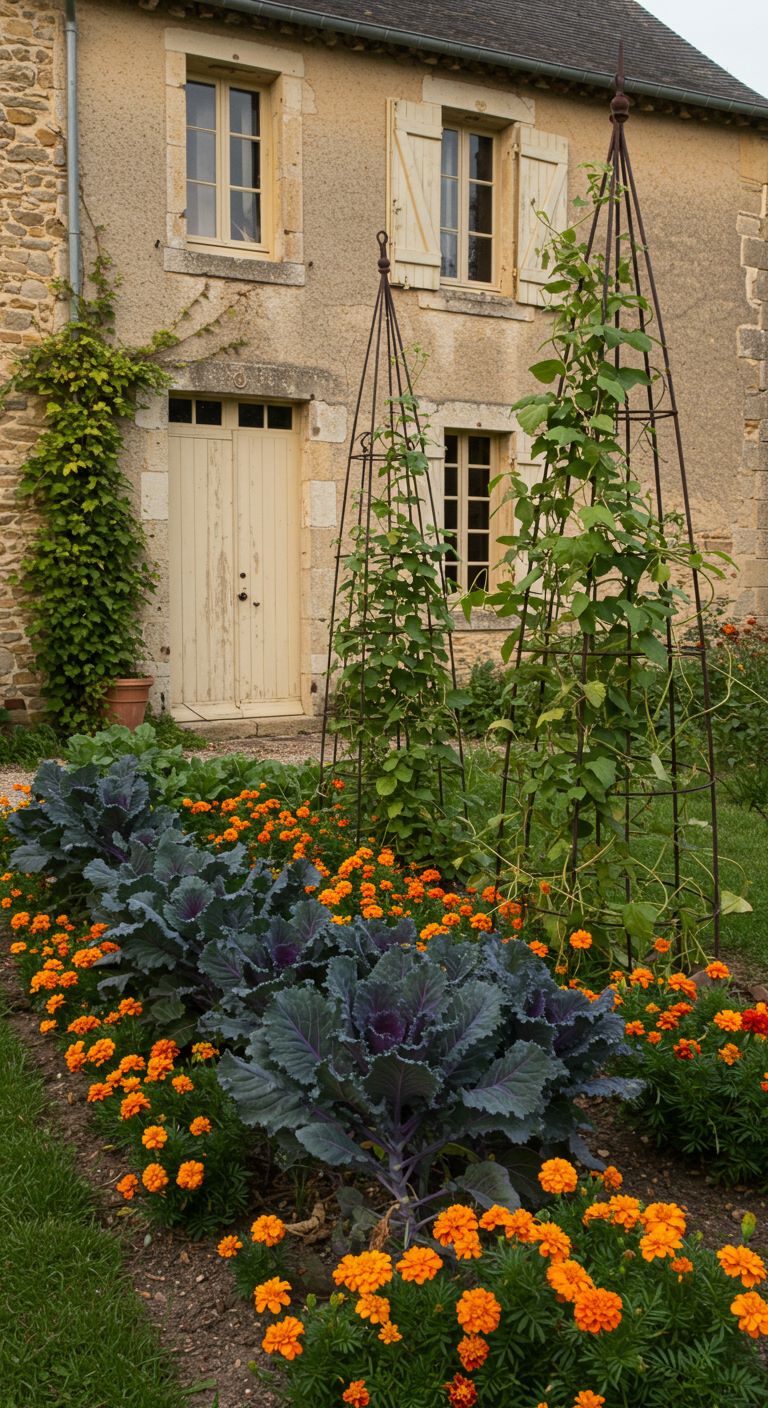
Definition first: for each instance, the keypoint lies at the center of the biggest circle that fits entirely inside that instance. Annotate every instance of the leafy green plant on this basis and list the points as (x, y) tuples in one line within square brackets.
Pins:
[(486, 690), (395, 702), (26, 744), (424, 1054)]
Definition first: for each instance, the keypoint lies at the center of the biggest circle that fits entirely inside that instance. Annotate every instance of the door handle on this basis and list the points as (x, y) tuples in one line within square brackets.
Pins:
[(242, 596)]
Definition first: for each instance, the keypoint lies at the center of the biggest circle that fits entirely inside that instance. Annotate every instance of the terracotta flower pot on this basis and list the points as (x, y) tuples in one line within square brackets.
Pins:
[(126, 701)]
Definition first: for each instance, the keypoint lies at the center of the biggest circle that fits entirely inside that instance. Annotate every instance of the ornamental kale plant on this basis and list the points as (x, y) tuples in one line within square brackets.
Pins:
[(426, 1056), (79, 815)]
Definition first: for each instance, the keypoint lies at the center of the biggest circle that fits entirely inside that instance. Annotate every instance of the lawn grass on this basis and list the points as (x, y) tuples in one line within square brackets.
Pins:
[(73, 1333)]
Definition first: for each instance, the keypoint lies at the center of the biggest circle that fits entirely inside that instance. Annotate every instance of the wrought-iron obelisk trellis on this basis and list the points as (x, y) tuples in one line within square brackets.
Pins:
[(648, 427), (385, 409)]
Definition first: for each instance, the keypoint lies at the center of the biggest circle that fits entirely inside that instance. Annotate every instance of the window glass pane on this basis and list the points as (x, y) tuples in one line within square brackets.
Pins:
[(451, 480), (201, 104), (449, 203), (480, 263), (201, 209), (450, 162), (451, 513), (477, 513), (479, 450), (480, 157), (480, 208), (201, 155), (250, 414), (477, 547), (180, 410), (208, 412), (244, 162), (244, 112), (451, 456), (477, 577), (245, 216), (280, 417), (478, 482), (452, 574), (449, 250)]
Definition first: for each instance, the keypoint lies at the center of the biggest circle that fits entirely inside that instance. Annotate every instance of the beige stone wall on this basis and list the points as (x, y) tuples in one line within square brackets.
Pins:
[(753, 361), (31, 248), (304, 334)]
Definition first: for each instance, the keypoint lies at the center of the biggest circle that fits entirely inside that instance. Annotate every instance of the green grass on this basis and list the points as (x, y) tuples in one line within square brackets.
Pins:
[(73, 1333)]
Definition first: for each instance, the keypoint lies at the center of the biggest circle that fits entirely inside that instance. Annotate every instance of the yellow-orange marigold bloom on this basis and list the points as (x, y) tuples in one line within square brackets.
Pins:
[(48, 1025), (365, 1273), (154, 1136), (623, 1211), (190, 1174), (522, 1225), (182, 1085), (611, 1178), (373, 1308), (455, 1221), (679, 982), (681, 1265), (473, 1352), (541, 950), (272, 1295), (743, 1264), (129, 1007), (641, 977), (74, 1056), (127, 1186), (229, 1246), (730, 1053), (200, 1125), (596, 1310), (154, 1178), (82, 1025), (496, 1216), (133, 1104), (568, 1279), (100, 1090), (662, 945), (717, 970), (752, 1312), (728, 1020), (419, 1264), (356, 1394), (204, 1051), (283, 1338), (461, 1392), (588, 1399), (101, 1051), (634, 1029), (580, 938), (668, 1213), (389, 1333), (553, 1241), (478, 1311), (660, 1240), (558, 1176), (268, 1229)]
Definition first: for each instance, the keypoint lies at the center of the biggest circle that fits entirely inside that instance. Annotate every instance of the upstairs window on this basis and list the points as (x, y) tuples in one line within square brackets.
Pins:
[(467, 201), (226, 164), (468, 467)]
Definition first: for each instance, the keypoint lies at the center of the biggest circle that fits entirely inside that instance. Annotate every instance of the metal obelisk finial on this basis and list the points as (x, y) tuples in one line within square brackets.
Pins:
[(620, 101)]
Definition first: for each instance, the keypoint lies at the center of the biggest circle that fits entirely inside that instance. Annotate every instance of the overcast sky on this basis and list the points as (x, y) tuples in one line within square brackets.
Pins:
[(734, 34)]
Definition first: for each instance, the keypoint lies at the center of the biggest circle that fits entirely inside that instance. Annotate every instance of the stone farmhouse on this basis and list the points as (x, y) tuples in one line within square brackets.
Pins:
[(238, 158)]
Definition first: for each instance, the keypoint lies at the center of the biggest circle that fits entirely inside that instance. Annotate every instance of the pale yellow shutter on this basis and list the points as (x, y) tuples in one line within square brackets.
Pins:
[(542, 185), (415, 137)]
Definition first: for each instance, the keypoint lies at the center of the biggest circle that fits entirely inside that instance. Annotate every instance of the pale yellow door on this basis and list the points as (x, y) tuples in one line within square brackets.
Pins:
[(234, 564)]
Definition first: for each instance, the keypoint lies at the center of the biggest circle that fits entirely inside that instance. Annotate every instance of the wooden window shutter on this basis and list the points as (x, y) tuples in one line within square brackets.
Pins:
[(542, 185), (415, 138)]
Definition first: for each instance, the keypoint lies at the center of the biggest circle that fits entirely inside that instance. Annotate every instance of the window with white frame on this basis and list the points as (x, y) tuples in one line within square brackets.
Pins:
[(226, 164), (467, 200), (468, 469)]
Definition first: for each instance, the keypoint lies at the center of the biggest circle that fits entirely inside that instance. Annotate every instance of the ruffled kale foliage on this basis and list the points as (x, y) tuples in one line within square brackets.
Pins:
[(427, 1055), (78, 815)]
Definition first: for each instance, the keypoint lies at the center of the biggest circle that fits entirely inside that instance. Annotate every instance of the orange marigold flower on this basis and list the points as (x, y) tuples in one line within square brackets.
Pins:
[(662, 945), (283, 1338), (686, 1049), (588, 1399), (478, 1311), (364, 1273), (101, 1051), (389, 1333), (100, 1090), (743, 1264), (154, 1178), (728, 1020), (190, 1174), (154, 1136), (127, 1186), (681, 1265), (552, 1240), (133, 1104), (200, 1125), (634, 1029), (74, 1056), (678, 982), (229, 1246), (752, 1312), (48, 1025), (419, 1264), (730, 1053), (473, 1352), (182, 1085), (129, 1007), (373, 1308), (356, 1394), (611, 1178), (541, 950), (660, 1240), (461, 1392), (204, 1051), (82, 1025), (623, 1211), (568, 1279), (496, 1216), (596, 1310), (558, 1176), (455, 1221), (641, 977), (654, 1038), (268, 1229), (271, 1295), (668, 1213), (717, 970), (580, 938)]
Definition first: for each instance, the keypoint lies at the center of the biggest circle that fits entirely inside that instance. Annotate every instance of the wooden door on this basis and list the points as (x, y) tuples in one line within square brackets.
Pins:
[(234, 566)]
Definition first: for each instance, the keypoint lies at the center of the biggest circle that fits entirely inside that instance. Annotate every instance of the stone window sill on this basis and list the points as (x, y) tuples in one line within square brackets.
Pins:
[(226, 266), (488, 305)]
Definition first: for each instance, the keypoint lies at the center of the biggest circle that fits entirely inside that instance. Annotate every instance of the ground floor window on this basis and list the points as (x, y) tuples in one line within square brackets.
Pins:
[(469, 467)]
